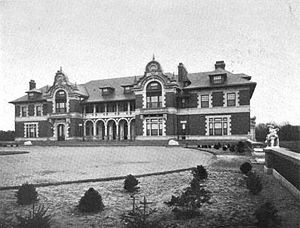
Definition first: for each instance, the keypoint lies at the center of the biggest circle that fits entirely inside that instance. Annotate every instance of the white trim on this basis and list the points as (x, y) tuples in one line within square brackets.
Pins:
[(214, 137), (36, 127), (31, 118), (218, 116), (215, 110), (27, 114), (144, 93), (54, 102), (199, 94), (38, 105), (237, 98)]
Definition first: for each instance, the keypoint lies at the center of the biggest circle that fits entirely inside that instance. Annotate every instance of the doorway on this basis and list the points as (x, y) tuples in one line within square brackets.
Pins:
[(60, 132)]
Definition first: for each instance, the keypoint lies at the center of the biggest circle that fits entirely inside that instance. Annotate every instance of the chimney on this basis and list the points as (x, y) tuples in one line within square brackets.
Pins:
[(182, 72), (220, 65), (32, 84)]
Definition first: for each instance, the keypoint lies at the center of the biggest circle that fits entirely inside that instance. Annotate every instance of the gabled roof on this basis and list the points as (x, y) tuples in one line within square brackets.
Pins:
[(24, 98), (94, 91)]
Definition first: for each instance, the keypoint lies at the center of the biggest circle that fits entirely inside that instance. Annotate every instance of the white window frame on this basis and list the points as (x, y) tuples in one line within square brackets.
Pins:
[(35, 107), (21, 107), (213, 117), (27, 125)]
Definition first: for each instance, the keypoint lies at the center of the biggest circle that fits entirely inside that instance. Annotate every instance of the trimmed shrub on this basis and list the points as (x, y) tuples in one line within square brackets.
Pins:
[(91, 201), (240, 147), (254, 183), (26, 194), (246, 167), (267, 216), (199, 173), (35, 218), (224, 148), (130, 183)]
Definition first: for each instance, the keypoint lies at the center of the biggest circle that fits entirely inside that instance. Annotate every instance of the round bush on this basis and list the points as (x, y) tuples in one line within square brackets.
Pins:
[(91, 201), (246, 167), (254, 183), (26, 194), (199, 172), (130, 183)]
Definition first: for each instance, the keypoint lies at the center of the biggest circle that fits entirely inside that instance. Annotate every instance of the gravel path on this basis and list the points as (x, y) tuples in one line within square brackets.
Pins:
[(54, 164)]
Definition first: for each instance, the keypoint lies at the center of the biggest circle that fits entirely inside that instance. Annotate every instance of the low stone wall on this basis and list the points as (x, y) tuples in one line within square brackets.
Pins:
[(285, 166)]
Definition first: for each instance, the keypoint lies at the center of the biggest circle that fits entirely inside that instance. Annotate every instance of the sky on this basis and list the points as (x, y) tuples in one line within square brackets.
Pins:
[(94, 39)]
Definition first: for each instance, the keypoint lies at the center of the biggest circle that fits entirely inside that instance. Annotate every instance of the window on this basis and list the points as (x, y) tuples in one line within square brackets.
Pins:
[(100, 108), (61, 102), (132, 105), (111, 107), (231, 97), (127, 89), (89, 109), (154, 126), (183, 103), (205, 101), (218, 126), (38, 110), (123, 106), (31, 130), (217, 79), (24, 111), (154, 95), (31, 95)]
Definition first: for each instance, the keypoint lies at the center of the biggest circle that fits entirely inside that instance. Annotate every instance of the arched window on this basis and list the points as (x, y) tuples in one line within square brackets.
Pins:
[(154, 95), (61, 101)]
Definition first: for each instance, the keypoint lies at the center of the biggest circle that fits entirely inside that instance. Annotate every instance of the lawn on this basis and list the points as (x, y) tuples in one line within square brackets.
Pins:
[(231, 204)]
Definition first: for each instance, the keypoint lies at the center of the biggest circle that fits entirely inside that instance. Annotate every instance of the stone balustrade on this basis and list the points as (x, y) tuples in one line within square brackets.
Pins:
[(285, 166)]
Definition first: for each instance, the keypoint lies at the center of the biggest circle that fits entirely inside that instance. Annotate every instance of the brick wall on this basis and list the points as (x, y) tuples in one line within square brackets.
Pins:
[(75, 130), (139, 101), (171, 125), (19, 129), (17, 111), (244, 96), (193, 101), (217, 99), (240, 123), (75, 106), (31, 109), (45, 129), (170, 99), (47, 108), (138, 125), (195, 124)]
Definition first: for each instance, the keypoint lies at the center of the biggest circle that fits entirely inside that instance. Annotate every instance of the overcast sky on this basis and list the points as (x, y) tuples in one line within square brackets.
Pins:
[(111, 38)]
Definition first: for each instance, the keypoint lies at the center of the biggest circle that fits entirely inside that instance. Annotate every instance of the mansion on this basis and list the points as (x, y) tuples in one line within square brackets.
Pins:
[(212, 105)]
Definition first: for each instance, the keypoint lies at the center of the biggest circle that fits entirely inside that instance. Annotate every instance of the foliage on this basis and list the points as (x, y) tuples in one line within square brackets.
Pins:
[(35, 218), (26, 194), (6, 223), (261, 131), (246, 167), (91, 201), (190, 200), (139, 216), (267, 216), (241, 147), (254, 183), (199, 173), (217, 146), (7, 135), (130, 183)]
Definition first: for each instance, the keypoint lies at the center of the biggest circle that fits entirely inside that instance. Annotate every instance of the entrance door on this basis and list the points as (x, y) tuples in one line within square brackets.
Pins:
[(61, 132)]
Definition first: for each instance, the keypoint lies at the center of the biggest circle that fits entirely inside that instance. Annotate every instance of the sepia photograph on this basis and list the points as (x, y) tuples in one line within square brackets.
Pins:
[(149, 113)]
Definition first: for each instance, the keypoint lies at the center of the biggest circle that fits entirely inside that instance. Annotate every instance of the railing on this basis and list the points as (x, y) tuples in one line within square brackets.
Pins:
[(286, 165), (109, 114)]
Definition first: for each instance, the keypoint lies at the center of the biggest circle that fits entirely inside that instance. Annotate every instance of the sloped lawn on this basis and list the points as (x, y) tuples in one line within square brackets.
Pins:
[(231, 204)]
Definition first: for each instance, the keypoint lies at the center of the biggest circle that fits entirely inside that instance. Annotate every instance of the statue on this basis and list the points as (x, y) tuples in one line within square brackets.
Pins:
[(272, 138)]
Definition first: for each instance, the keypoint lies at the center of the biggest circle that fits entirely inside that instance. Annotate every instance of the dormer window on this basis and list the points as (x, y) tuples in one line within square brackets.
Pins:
[(30, 95), (127, 88), (217, 79), (107, 90)]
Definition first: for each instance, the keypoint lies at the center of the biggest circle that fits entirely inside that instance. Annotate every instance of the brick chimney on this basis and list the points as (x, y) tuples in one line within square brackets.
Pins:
[(220, 65), (32, 84), (182, 72)]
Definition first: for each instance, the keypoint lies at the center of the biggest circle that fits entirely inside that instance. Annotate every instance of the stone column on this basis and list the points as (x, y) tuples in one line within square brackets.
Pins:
[(105, 109), (94, 110), (117, 108), (129, 131), (94, 130), (105, 131), (117, 131), (128, 107), (84, 129)]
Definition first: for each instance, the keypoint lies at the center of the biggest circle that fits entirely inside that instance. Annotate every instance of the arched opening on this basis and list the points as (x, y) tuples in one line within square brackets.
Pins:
[(123, 129), (111, 130), (132, 129), (60, 101), (154, 95), (89, 128), (60, 132), (100, 130)]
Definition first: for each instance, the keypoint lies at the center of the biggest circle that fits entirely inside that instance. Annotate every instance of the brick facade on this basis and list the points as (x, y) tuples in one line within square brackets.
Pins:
[(153, 105)]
